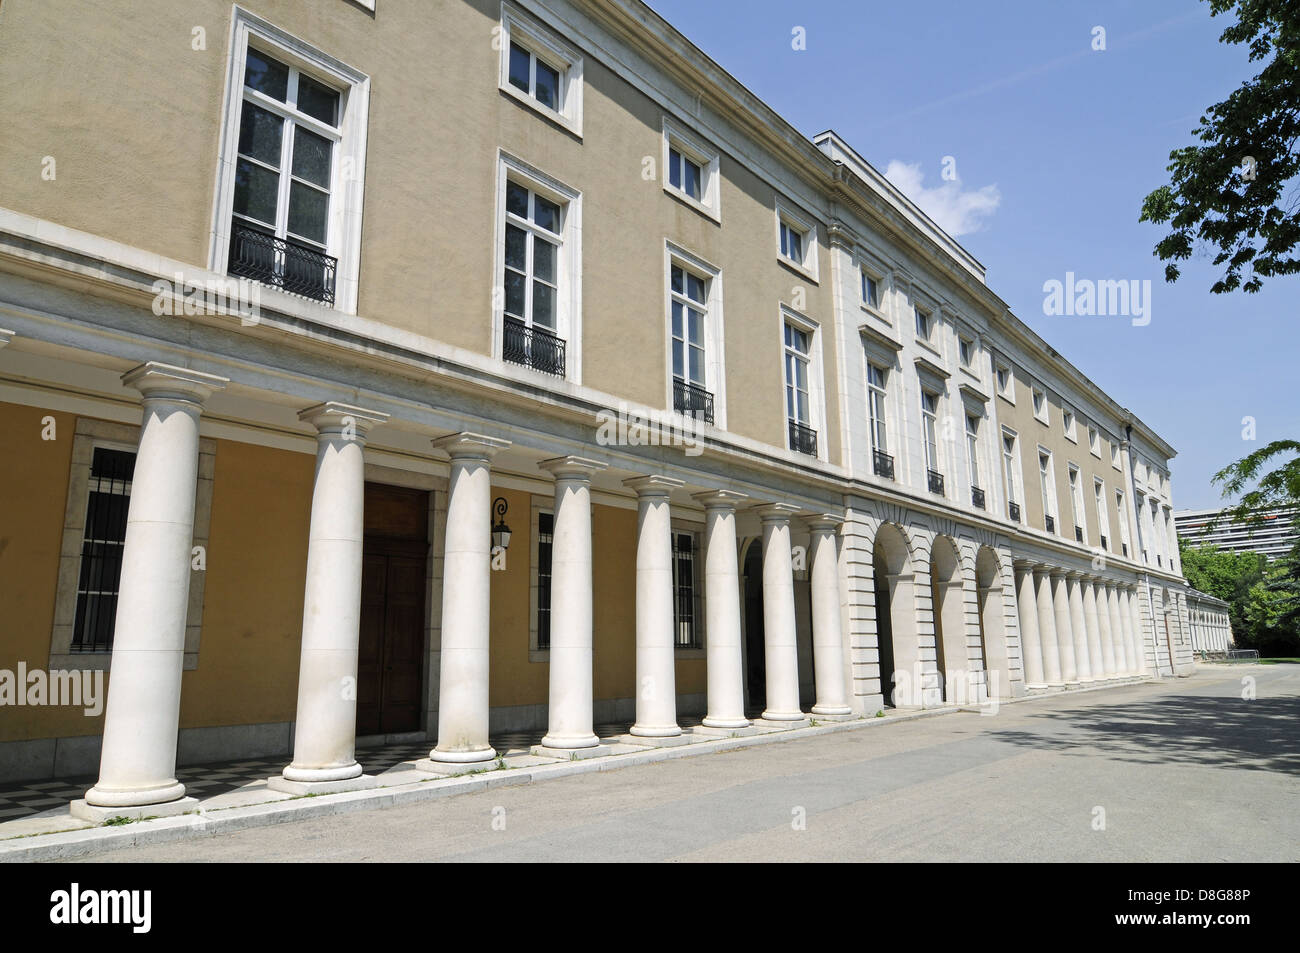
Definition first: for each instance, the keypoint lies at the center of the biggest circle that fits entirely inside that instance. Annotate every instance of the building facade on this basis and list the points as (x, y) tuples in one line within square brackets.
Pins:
[(393, 369), (1275, 536)]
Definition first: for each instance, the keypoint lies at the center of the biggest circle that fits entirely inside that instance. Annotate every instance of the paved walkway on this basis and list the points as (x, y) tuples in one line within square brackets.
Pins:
[(1180, 770)]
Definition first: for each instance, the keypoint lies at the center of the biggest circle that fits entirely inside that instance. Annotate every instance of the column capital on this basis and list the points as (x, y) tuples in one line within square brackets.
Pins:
[(333, 418), (823, 522), (776, 512), (720, 499), (653, 485), (572, 467), (1023, 565), (473, 445), (1056, 572), (154, 379)]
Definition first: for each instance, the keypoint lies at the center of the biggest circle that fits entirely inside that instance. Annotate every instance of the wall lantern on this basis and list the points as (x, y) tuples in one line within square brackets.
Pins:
[(500, 531)]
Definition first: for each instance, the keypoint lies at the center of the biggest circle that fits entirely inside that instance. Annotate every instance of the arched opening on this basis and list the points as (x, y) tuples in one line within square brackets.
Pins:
[(952, 656), (895, 604), (755, 657), (992, 618)]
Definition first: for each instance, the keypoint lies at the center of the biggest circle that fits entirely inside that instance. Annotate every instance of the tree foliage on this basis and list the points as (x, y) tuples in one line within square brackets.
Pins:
[(1234, 194)]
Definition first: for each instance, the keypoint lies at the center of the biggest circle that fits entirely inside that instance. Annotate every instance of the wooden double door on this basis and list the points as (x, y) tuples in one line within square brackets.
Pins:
[(394, 584)]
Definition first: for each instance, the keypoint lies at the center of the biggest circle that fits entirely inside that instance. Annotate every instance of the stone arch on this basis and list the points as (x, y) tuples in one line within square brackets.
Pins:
[(993, 597), (897, 643), (948, 601)]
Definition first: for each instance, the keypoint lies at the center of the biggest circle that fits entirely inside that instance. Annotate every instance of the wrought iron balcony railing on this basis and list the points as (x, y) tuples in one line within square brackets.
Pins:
[(282, 263), (883, 464), (977, 497), (1050, 524), (803, 439), (533, 347), (935, 479), (1013, 510), (692, 400)]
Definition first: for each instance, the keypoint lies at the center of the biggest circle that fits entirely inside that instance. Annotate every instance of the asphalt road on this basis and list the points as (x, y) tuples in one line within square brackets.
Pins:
[(1184, 770)]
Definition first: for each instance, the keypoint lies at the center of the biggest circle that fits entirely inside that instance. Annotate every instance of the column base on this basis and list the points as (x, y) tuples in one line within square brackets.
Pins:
[(657, 741), (712, 731), (570, 754), (477, 755), (302, 788), (453, 768), (833, 716), (98, 815), (320, 775), (655, 731), (783, 725), (138, 797), (721, 721)]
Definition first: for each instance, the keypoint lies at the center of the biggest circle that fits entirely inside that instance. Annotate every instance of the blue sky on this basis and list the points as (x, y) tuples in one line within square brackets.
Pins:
[(1055, 146)]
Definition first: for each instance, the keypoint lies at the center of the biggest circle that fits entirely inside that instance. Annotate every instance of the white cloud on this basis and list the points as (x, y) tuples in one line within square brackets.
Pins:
[(957, 211)]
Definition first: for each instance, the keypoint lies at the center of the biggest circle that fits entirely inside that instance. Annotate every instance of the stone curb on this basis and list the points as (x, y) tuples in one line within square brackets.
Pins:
[(67, 845)]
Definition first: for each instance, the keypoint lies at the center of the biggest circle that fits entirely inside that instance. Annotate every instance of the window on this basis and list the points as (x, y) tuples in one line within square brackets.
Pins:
[(966, 352), (542, 615), (870, 290), (685, 599), (1122, 515), (103, 538), (924, 323), (972, 449), (1094, 442), (540, 70), (691, 171), (1006, 382), (796, 241), (1114, 455), (1049, 490), (1067, 424), (798, 410), (538, 261), (689, 306), (930, 429), (1040, 404), (1076, 504), (882, 463), (1010, 471), (1103, 519)]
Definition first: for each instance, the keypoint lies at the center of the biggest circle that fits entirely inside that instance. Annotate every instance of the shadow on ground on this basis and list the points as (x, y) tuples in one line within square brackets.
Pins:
[(1263, 734)]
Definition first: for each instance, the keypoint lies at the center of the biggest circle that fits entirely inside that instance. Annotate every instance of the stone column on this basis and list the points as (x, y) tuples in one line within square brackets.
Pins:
[(1031, 648), (656, 691), (779, 649), (570, 717), (325, 727), (137, 765), (724, 660), (1131, 617), (1096, 662), (1047, 627), (1078, 626), (466, 603), (1123, 656), (828, 654), (1064, 631), (1108, 658)]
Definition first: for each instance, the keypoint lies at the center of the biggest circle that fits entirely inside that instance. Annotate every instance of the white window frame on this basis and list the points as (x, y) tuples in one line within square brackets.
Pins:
[(972, 445), (347, 175), (568, 316), (518, 28), (816, 390), (1048, 480), (929, 313), (676, 139), (1103, 515), (1121, 514), (964, 340), (1074, 476), (1069, 424), (1045, 415), (805, 225), (715, 370), (1114, 453), (865, 272), (1012, 468), (1007, 393), (1094, 441), (931, 450), (878, 406)]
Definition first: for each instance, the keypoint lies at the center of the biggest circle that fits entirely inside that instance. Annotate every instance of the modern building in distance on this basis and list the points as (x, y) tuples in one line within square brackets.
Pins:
[(1275, 537), (304, 305)]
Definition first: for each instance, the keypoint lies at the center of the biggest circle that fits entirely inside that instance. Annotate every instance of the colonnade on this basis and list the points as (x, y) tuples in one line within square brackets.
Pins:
[(1075, 627), (1211, 629)]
